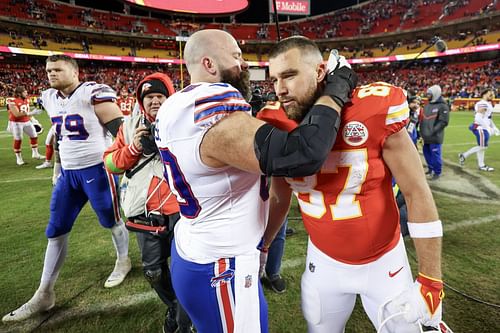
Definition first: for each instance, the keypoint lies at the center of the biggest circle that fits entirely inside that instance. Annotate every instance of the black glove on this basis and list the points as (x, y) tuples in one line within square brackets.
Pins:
[(148, 145), (339, 85)]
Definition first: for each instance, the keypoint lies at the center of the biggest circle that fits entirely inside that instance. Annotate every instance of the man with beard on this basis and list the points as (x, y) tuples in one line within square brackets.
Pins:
[(83, 114), (348, 207), (215, 156)]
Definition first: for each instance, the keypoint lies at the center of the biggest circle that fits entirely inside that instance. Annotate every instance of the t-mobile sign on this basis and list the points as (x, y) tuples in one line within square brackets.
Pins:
[(291, 7)]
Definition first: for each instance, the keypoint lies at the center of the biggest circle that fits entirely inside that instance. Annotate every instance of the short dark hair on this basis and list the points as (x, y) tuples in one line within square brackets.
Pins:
[(485, 91), (18, 92), (63, 57), (294, 42)]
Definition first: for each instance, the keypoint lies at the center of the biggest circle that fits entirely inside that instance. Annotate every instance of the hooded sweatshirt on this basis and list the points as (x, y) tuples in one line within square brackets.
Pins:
[(122, 155), (435, 117)]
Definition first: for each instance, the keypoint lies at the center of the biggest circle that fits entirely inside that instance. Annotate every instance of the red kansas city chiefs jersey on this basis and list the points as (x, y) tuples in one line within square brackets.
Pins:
[(23, 106), (126, 104), (348, 208)]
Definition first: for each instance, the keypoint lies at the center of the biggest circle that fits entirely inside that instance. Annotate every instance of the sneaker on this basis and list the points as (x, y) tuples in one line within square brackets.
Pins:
[(435, 177), (486, 168), (119, 273), (461, 159), (278, 284), (289, 232), (44, 165), (37, 156), (170, 323), (40, 302)]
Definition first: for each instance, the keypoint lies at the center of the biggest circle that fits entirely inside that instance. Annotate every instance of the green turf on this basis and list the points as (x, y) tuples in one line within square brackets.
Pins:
[(471, 261)]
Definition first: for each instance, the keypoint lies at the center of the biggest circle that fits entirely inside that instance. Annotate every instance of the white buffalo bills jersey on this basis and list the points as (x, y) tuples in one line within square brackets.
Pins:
[(483, 120), (223, 210), (82, 138)]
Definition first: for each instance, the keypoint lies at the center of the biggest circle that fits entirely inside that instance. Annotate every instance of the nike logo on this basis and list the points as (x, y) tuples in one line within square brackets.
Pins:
[(429, 296), (88, 181), (391, 275)]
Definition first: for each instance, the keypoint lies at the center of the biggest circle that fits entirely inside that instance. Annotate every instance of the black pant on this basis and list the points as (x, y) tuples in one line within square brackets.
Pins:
[(155, 251)]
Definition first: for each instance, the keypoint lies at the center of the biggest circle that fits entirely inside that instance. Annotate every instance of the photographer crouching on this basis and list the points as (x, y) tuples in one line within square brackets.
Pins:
[(146, 199)]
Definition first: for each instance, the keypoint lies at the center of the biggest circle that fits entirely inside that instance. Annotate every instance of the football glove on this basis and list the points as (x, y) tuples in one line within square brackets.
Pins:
[(56, 173), (340, 80), (496, 131), (422, 302), (263, 258), (35, 112)]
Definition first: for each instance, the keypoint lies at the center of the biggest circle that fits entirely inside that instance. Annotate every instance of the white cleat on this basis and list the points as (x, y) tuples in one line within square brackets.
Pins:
[(37, 156), (44, 165), (40, 302), (119, 273), (20, 161)]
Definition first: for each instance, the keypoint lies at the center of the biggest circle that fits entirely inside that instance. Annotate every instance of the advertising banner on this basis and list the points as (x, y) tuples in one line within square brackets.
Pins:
[(291, 7)]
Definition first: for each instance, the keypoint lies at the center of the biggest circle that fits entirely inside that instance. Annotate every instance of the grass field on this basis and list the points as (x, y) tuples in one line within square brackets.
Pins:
[(468, 203)]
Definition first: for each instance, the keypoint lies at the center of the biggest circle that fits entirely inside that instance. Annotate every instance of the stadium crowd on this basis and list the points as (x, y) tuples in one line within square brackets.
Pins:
[(368, 18), (461, 80)]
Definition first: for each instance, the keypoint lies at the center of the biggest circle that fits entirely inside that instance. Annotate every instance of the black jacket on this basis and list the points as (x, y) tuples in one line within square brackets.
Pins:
[(434, 119)]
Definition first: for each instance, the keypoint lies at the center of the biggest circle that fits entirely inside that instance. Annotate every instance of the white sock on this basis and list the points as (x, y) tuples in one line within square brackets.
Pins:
[(119, 233), (57, 249), (19, 156), (34, 151), (471, 151), (480, 157)]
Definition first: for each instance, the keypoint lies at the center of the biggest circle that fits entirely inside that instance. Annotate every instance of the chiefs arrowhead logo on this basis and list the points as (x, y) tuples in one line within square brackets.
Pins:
[(355, 133), (145, 87)]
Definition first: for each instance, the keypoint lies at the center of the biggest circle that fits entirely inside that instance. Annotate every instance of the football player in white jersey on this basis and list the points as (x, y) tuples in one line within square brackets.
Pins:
[(82, 114), (215, 156), (482, 127)]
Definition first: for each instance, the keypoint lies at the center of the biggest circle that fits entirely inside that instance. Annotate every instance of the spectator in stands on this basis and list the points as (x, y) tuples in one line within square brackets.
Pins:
[(482, 127), (20, 121), (434, 120)]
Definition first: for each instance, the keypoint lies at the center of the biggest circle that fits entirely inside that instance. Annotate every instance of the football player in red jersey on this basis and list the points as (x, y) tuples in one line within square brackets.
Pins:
[(125, 102), (20, 121), (348, 208)]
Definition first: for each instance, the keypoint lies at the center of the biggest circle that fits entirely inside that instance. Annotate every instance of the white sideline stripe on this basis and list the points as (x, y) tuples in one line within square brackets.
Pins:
[(136, 299), (8, 181), (468, 223), (472, 143)]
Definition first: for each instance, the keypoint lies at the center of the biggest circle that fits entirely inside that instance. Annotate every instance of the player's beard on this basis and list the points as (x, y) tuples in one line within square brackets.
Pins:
[(301, 107), (240, 82)]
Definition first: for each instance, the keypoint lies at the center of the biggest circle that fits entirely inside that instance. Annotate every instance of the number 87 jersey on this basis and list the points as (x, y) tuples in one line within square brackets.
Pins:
[(348, 208)]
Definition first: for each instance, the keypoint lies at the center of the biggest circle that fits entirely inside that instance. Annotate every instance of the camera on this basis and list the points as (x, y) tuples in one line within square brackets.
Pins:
[(148, 141)]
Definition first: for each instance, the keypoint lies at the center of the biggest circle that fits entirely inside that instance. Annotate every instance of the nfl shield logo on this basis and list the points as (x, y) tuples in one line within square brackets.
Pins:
[(248, 281)]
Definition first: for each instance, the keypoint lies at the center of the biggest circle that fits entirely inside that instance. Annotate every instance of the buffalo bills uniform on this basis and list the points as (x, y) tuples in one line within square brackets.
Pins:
[(350, 213), (215, 262), (82, 141), (482, 126)]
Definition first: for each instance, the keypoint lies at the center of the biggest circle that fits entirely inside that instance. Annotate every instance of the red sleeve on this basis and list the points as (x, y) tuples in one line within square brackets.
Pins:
[(120, 156), (274, 114)]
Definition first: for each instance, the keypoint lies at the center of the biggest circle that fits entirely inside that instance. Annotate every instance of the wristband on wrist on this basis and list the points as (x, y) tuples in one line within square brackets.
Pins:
[(426, 229)]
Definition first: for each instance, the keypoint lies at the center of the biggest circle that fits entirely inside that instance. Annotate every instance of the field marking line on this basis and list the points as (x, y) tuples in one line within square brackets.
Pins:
[(8, 181)]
